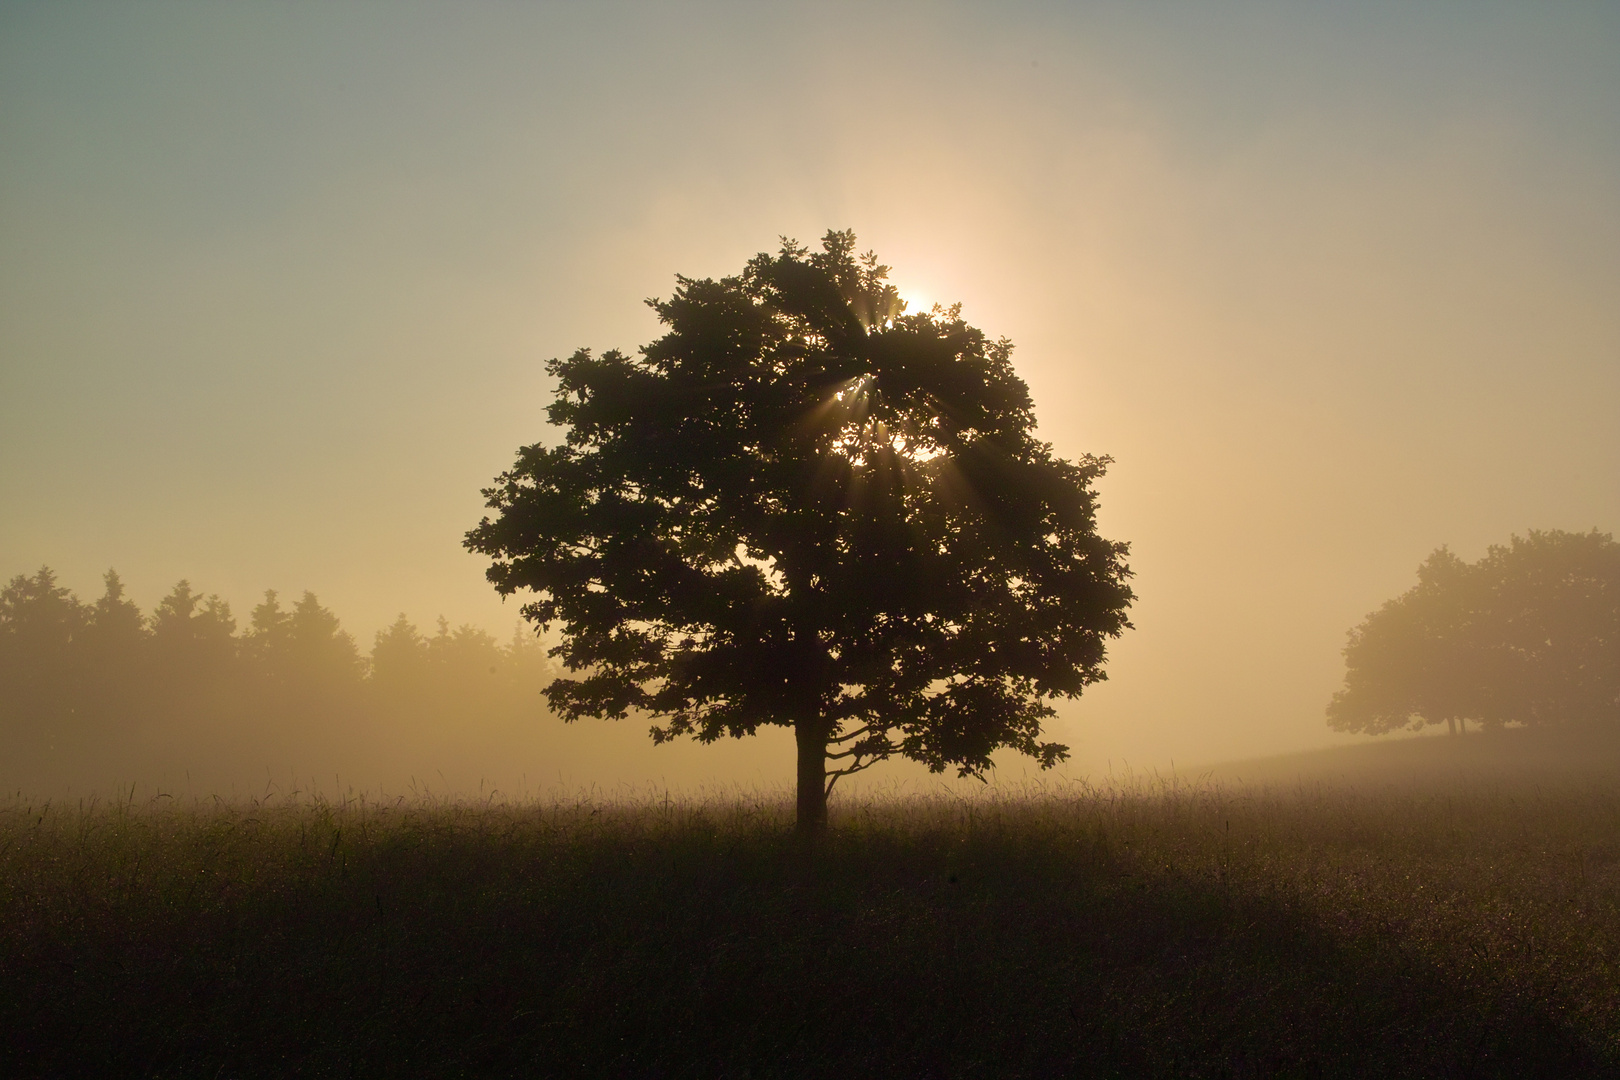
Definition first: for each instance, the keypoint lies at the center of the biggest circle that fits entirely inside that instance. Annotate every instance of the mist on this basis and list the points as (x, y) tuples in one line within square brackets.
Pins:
[(1332, 287)]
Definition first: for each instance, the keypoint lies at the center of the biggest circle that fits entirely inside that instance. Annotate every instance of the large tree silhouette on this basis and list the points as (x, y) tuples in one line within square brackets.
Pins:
[(803, 506)]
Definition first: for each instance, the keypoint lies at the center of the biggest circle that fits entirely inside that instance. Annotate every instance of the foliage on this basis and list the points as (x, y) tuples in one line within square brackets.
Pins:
[(1175, 933), (1528, 635), (39, 623), (100, 690), (803, 506)]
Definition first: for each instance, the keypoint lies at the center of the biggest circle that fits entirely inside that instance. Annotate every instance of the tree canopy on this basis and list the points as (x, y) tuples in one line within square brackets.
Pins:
[(1528, 635), (805, 506)]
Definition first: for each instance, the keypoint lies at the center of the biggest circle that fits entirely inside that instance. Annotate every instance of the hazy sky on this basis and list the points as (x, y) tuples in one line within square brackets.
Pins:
[(1334, 284)]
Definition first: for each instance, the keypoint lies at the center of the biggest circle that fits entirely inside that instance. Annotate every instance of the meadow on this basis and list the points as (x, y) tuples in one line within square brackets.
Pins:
[(1449, 930)]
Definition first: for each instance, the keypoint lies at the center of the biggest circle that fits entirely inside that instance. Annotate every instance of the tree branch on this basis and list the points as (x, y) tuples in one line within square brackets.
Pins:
[(857, 752), (853, 769)]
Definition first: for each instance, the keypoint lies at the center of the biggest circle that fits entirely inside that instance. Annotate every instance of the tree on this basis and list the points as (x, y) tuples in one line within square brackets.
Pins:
[(113, 651), (304, 650), (194, 678), (1553, 648), (40, 624), (1413, 657), (803, 506), (399, 658), (1528, 635), (194, 636)]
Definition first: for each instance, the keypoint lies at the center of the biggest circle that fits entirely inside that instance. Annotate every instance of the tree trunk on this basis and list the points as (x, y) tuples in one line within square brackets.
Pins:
[(812, 807)]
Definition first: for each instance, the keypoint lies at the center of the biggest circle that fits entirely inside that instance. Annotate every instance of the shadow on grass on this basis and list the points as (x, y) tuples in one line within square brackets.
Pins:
[(713, 952)]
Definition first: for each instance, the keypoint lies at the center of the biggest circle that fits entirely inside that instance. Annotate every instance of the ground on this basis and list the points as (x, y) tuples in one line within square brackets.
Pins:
[(1452, 927)]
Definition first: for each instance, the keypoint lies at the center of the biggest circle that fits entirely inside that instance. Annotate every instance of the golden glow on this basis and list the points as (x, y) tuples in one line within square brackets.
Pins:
[(917, 301), (1329, 289)]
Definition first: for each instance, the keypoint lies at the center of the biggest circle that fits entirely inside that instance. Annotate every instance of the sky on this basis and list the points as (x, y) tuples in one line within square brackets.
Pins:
[(1334, 285)]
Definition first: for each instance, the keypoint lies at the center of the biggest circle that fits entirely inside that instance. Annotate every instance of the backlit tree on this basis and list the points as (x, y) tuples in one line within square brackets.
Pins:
[(804, 506)]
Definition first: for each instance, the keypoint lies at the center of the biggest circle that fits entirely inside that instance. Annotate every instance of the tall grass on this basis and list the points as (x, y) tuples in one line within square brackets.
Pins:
[(1174, 931)]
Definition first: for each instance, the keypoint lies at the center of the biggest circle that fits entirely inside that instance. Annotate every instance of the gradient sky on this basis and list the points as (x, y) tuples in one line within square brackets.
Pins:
[(1334, 284)]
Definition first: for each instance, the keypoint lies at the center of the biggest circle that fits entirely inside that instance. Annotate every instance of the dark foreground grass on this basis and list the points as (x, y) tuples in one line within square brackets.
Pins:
[(1178, 933)]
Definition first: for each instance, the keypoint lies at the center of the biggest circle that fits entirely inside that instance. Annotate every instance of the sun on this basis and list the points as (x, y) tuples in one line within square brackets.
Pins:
[(916, 300)]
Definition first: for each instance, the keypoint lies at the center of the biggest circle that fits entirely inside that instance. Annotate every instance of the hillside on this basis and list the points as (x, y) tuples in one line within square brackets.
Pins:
[(1517, 755)]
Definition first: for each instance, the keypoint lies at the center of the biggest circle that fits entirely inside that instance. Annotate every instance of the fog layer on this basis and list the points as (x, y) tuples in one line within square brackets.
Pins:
[(1334, 287)]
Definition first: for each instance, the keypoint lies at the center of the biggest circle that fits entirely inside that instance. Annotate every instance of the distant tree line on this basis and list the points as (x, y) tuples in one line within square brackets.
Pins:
[(105, 683), (1527, 636)]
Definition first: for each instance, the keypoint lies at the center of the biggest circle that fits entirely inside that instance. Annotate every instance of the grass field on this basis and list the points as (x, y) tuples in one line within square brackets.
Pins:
[(1466, 930)]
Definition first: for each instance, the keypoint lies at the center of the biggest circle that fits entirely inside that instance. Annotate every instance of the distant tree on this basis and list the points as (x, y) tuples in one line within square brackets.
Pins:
[(466, 655), (466, 652), (40, 625), (194, 678), (1553, 639), (466, 665), (113, 659), (399, 657), (803, 506), (265, 644), (39, 621), (525, 659), (319, 646), (1528, 635), (305, 646), (1415, 660), (115, 621), (444, 695), (192, 633)]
